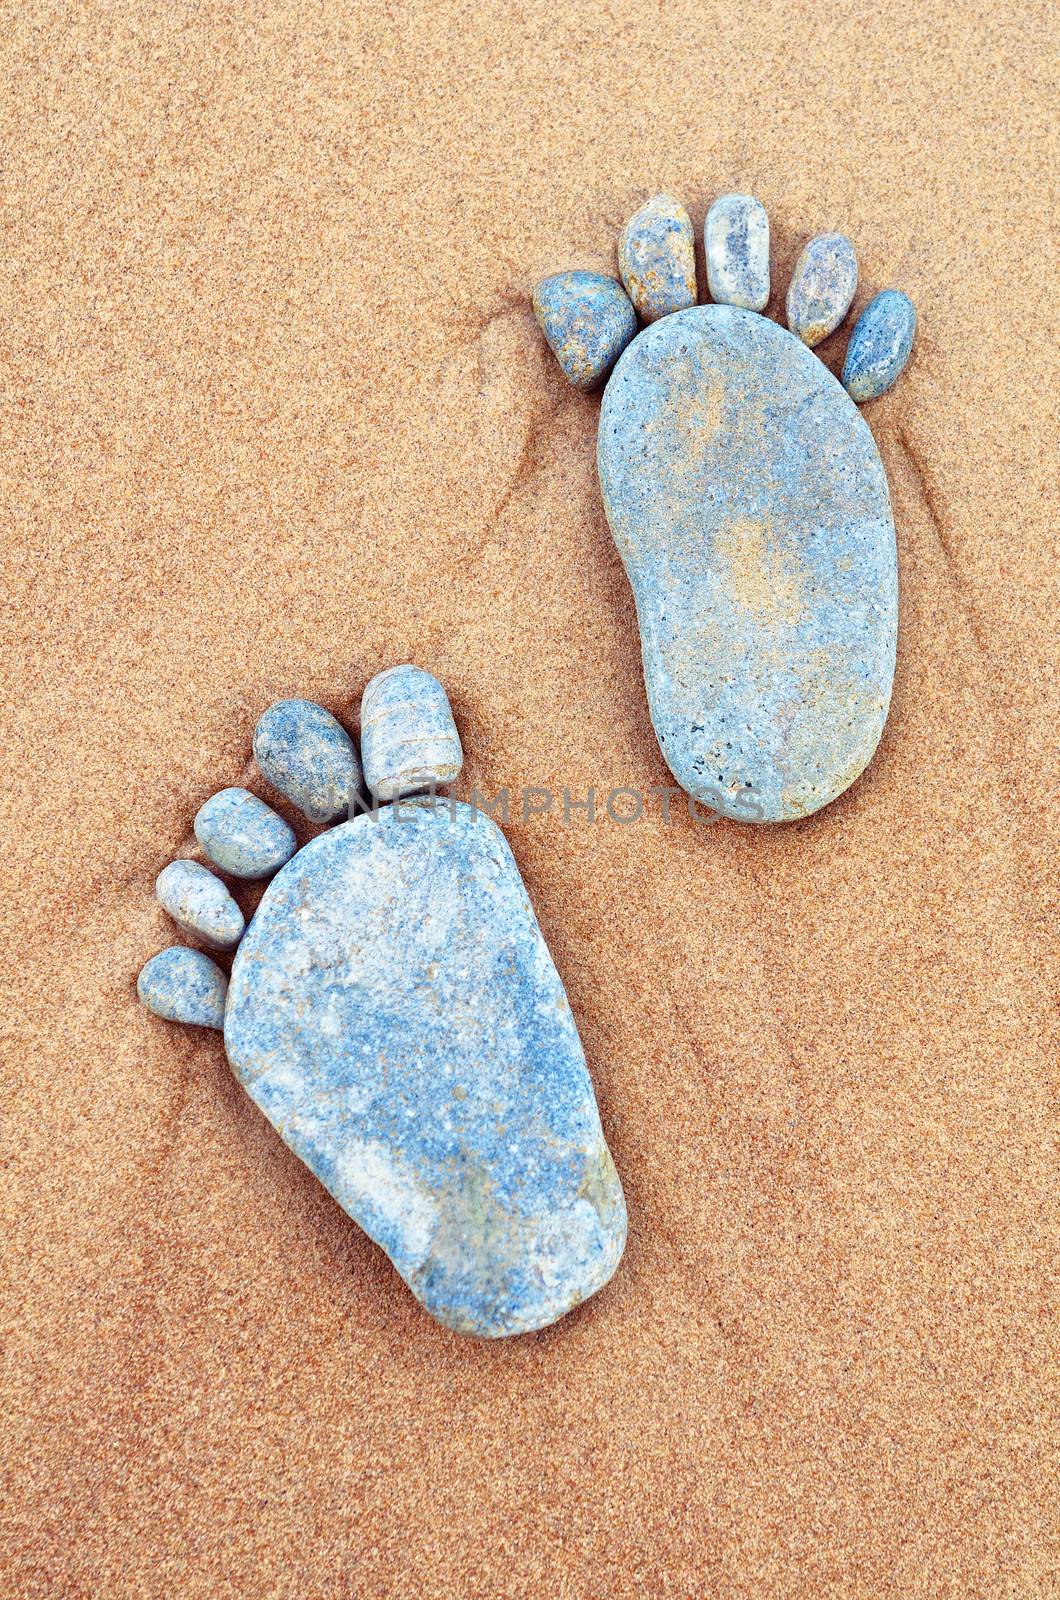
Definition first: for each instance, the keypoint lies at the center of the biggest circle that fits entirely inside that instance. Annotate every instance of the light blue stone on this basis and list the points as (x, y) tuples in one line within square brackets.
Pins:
[(657, 258), (184, 985), (736, 243), (409, 741), (242, 835), (879, 346), (822, 287), (588, 321), (396, 1015), (749, 503), (306, 753), (200, 904)]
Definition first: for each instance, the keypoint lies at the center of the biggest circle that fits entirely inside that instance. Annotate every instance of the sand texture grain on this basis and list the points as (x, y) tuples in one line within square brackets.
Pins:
[(276, 415)]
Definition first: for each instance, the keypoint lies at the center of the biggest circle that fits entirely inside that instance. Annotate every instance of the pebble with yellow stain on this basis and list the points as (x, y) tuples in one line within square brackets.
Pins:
[(748, 501), (588, 321), (657, 258), (822, 287)]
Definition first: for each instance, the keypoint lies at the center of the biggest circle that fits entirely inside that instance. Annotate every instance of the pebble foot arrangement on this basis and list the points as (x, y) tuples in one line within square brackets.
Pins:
[(395, 1013), (748, 501)]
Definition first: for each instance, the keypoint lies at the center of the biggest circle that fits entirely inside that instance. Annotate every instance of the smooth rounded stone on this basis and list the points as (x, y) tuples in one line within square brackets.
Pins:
[(657, 258), (184, 985), (588, 321), (242, 835), (306, 753), (879, 346), (396, 1015), (736, 241), (749, 504), (409, 741), (200, 904), (822, 287)]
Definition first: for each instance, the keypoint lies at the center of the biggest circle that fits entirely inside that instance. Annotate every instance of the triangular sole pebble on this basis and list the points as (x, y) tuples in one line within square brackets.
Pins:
[(395, 1013)]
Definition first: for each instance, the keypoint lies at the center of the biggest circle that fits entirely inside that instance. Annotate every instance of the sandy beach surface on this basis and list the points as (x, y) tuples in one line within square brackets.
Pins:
[(276, 415)]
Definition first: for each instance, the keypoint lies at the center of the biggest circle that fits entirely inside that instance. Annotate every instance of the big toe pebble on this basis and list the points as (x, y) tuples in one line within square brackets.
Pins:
[(588, 321), (657, 258), (879, 346), (306, 753), (409, 741), (200, 904), (395, 1013), (822, 287), (184, 985), (736, 240), (242, 835)]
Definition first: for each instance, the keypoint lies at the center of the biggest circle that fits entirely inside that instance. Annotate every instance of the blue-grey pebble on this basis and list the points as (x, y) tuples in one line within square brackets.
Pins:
[(306, 753), (880, 345), (395, 1013), (657, 258), (409, 741), (199, 903), (242, 835), (736, 242), (748, 500), (588, 321), (184, 985), (822, 287)]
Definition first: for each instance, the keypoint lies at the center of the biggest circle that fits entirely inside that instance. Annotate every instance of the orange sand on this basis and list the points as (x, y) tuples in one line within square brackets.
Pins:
[(275, 415)]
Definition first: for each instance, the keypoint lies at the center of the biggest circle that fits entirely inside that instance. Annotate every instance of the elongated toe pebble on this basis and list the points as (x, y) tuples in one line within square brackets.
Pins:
[(879, 346), (200, 904), (184, 985), (588, 321), (736, 242), (396, 1015), (749, 503), (822, 287), (242, 835), (409, 741), (306, 753), (657, 258)]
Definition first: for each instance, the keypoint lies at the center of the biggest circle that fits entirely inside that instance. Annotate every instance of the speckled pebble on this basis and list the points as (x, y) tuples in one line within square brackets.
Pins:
[(200, 904), (409, 741), (749, 503), (880, 345), (242, 835), (396, 1015), (588, 321), (184, 985), (736, 241), (306, 753), (822, 287), (657, 258)]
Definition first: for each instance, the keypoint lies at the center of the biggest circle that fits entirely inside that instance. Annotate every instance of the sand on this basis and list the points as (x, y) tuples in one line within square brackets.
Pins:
[(276, 415)]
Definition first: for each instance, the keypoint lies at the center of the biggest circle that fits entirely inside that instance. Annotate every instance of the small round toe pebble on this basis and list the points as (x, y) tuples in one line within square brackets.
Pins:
[(657, 258), (736, 244), (822, 287), (244, 836), (306, 753), (184, 985), (879, 346), (200, 904)]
